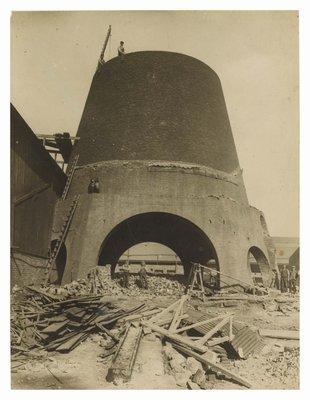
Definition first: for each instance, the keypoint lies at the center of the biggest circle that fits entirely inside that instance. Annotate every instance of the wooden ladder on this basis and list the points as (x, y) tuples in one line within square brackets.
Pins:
[(61, 239), (195, 280), (69, 177)]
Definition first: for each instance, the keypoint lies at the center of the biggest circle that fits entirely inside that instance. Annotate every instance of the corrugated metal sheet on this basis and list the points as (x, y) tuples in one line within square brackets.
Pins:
[(246, 342)]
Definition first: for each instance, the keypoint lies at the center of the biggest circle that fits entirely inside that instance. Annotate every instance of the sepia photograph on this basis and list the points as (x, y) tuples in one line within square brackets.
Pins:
[(154, 240)]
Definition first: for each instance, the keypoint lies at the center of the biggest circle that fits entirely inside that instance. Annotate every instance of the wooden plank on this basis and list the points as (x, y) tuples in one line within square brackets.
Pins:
[(167, 320), (165, 311), (141, 315), (76, 300), (199, 323), (107, 332), (54, 137), (178, 312), (213, 366), (223, 298), (72, 342), (178, 338), (53, 344), (280, 334), (37, 290), (201, 284), (124, 359), (231, 335), (54, 328), (215, 341)]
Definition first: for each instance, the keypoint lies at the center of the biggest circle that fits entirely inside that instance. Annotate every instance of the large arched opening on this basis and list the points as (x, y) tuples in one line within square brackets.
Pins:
[(259, 266), (183, 237)]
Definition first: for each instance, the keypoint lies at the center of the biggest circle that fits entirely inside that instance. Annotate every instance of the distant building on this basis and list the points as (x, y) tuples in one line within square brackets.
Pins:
[(159, 259), (285, 248)]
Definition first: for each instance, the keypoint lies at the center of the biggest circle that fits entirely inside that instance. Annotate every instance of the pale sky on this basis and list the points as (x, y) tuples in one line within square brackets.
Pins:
[(255, 54)]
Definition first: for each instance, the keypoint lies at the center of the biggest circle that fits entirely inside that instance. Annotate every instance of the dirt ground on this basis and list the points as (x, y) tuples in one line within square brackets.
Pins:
[(276, 367)]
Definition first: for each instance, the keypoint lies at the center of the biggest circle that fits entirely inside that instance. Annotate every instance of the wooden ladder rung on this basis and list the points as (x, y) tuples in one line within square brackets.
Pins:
[(61, 239), (69, 178)]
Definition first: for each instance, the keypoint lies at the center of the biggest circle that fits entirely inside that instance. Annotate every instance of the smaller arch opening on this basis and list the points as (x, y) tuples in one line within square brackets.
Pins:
[(259, 266), (60, 263)]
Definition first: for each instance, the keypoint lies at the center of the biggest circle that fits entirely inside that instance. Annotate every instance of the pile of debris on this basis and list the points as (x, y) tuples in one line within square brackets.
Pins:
[(284, 365), (197, 346), (99, 281), (201, 339), (43, 321), (280, 368), (161, 286), (188, 371)]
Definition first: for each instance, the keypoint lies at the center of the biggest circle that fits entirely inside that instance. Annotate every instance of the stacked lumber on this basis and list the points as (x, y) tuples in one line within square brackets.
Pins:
[(42, 321), (26, 307)]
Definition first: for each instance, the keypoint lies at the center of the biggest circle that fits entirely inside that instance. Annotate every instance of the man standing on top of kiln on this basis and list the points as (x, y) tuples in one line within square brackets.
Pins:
[(121, 50)]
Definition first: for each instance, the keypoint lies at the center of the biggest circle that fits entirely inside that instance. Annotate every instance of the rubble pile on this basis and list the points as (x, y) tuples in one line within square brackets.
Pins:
[(284, 303), (277, 367), (199, 348), (99, 281), (284, 366), (188, 372), (163, 286)]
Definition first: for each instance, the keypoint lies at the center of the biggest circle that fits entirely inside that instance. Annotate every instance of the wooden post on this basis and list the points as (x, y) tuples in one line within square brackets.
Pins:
[(231, 335), (201, 283), (165, 311)]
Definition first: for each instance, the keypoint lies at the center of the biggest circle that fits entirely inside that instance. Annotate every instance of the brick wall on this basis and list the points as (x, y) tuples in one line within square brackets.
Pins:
[(156, 106)]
